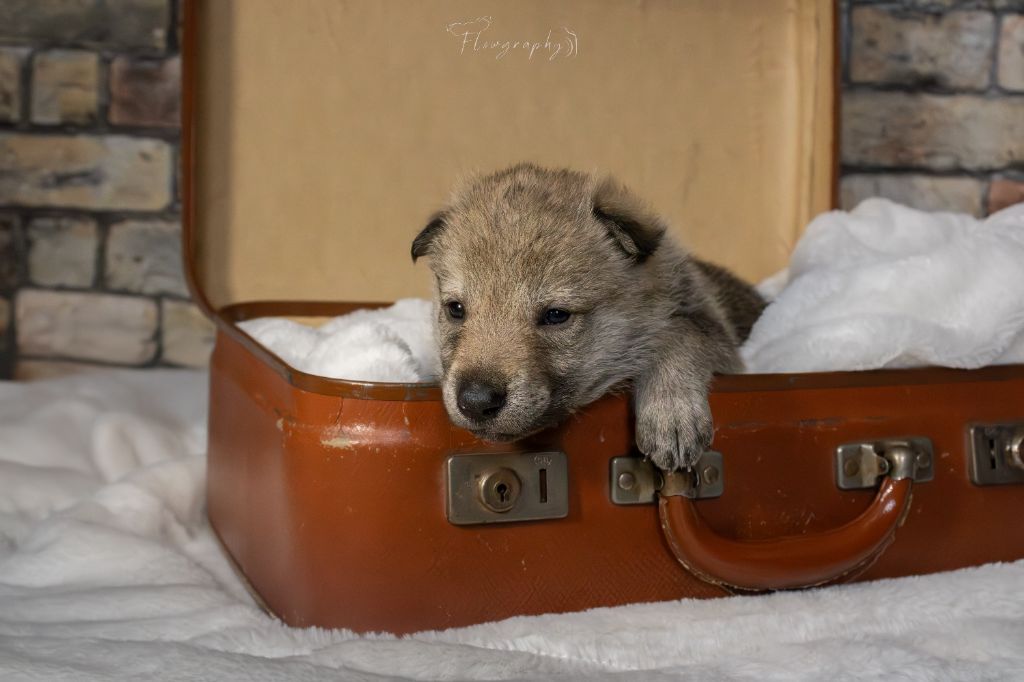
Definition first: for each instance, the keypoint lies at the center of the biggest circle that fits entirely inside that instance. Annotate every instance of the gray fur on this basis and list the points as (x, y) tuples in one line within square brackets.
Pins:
[(645, 314)]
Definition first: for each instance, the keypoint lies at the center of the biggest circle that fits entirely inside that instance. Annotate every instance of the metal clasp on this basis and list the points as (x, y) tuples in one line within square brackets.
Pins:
[(997, 453), (860, 465), (638, 481)]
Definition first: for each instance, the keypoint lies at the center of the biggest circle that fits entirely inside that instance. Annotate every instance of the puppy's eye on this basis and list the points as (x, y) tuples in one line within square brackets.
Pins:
[(455, 310), (555, 316)]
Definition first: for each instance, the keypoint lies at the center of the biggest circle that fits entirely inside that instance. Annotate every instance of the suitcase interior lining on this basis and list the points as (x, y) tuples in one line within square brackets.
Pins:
[(376, 113)]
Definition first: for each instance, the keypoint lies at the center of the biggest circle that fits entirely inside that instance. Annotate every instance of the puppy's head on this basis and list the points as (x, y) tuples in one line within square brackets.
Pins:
[(542, 293)]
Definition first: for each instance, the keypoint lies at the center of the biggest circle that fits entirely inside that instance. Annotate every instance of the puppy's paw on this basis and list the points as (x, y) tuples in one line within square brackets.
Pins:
[(674, 431)]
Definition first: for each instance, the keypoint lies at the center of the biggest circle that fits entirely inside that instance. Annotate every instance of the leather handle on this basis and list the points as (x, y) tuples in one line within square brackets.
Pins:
[(788, 562)]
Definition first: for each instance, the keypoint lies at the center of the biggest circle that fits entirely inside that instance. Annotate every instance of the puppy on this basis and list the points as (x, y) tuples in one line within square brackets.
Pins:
[(554, 288)]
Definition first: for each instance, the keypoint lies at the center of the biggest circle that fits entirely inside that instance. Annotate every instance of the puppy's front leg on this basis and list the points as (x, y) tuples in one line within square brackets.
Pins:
[(673, 419)]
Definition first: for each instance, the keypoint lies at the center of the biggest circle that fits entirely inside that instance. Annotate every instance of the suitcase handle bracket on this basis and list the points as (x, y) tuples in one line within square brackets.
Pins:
[(638, 481), (861, 465)]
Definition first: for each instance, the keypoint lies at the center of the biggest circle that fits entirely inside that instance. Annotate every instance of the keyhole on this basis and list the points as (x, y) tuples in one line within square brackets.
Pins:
[(499, 490)]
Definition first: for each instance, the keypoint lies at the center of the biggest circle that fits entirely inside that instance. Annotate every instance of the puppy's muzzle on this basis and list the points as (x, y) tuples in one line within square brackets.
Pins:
[(480, 400)]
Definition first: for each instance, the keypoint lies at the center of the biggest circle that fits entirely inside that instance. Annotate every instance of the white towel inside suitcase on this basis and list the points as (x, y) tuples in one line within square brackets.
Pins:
[(881, 286)]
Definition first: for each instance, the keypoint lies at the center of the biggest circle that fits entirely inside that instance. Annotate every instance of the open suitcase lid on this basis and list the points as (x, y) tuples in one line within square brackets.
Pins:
[(321, 135)]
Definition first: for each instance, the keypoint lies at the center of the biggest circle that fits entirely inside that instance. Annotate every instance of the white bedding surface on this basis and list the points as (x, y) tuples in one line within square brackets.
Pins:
[(108, 570)]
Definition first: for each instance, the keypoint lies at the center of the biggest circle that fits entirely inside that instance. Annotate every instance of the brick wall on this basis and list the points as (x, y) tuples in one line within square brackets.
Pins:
[(89, 207), (933, 103), (933, 116)]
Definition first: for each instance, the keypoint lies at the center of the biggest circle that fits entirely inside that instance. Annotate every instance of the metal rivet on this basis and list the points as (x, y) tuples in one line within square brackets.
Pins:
[(922, 460), (851, 467), (627, 480), (710, 475), (1015, 449)]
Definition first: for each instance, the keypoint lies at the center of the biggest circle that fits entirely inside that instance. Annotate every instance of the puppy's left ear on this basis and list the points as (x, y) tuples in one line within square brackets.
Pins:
[(633, 227), (425, 239)]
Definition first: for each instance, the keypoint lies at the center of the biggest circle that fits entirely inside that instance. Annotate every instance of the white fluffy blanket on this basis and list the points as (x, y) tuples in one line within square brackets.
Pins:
[(391, 344), (108, 570), (889, 286), (881, 286)]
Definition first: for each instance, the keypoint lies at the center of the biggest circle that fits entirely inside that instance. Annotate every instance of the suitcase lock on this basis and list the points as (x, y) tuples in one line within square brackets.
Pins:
[(499, 489), (507, 486), (997, 453)]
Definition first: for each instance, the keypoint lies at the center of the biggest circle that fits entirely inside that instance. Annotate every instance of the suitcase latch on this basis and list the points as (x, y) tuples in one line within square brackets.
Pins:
[(507, 486), (637, 481), (997, 453), (861, 465)]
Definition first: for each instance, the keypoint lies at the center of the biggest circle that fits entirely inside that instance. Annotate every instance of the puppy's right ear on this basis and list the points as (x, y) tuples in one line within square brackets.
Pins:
[(631, 225), (425, 239)]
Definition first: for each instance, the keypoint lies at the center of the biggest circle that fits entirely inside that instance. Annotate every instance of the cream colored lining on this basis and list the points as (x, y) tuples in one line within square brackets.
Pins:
[(329, 130)]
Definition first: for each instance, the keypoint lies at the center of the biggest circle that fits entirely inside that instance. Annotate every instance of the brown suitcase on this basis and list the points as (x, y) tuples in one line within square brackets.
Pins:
[(359, 505)]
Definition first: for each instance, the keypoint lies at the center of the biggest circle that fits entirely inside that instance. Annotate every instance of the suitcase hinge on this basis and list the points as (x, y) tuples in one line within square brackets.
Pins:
[(638, 481)]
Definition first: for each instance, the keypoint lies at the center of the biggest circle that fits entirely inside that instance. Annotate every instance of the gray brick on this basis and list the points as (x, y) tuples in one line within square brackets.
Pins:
[(102, 172), (11, 59), (65, 87), (86, 326), (941, 132), (145, 92), (37, 370), (145, 257), (952, 50), (5, 324), (1011, 53), (962, 195), (102, 23), (62, 251), (945, 5), (1003, 192), (187, 335), (9, 255)]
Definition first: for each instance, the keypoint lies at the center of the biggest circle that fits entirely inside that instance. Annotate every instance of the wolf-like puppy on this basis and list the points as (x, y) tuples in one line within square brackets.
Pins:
[(555, 287)]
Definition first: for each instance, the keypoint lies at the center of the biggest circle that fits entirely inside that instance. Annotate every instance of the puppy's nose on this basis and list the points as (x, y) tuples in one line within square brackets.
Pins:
[(479, 400)]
